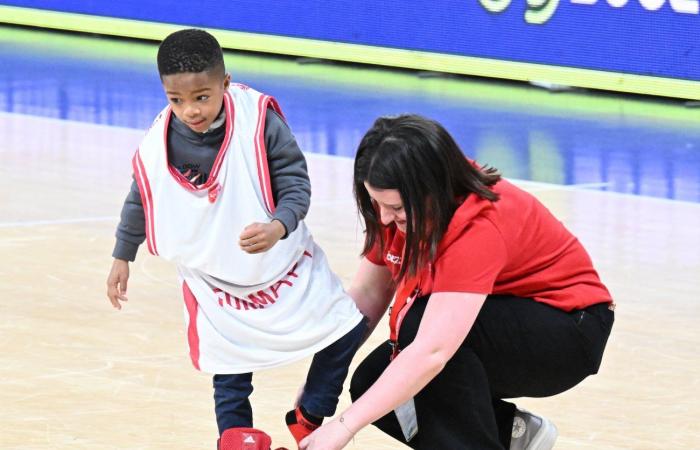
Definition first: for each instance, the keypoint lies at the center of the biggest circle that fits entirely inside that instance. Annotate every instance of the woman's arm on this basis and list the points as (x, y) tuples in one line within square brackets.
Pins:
[(446, 322), (372, 289)]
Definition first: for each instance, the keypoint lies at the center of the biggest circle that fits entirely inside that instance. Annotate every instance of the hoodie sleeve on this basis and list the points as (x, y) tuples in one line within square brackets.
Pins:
[(131, 231), (289, 176)]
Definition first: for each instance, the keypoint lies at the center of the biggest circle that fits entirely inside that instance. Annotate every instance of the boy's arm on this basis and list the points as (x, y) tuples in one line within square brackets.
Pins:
[(131, 231), (291, 188)]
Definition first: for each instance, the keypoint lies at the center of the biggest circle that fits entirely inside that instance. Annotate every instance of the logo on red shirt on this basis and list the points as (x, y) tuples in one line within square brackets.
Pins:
[(394, 259)]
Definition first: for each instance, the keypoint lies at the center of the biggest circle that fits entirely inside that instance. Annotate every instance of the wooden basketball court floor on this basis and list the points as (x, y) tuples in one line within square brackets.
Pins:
[(77, 374)]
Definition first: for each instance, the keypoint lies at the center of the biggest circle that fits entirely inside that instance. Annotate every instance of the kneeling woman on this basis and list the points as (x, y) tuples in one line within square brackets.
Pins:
[(494, 299)]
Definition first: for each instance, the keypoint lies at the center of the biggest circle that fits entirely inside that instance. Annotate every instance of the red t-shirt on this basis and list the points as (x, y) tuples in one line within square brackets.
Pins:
[(511, 246)]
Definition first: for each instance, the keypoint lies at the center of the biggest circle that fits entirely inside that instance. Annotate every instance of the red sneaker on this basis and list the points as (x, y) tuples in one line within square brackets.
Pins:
[(298, 425), (244, 439)]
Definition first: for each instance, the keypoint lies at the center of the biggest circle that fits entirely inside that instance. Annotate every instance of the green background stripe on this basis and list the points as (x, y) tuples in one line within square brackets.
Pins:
[(485, 93), (364, 54)]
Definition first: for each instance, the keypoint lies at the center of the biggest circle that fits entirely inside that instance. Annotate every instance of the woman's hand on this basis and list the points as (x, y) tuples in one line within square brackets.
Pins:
[(331, 436)]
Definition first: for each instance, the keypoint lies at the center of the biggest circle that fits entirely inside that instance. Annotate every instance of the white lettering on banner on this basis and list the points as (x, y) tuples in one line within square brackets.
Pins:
[(261, 299), (685, 6), (679, 6), (536, 13), (540, 11), (652, 5)]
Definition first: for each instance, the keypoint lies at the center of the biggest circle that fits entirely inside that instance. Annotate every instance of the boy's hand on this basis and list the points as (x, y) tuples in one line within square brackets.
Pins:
[(260, 237), (116, 282)]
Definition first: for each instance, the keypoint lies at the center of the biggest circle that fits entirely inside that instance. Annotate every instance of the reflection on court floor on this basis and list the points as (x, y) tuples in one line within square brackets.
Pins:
[(594, 140)]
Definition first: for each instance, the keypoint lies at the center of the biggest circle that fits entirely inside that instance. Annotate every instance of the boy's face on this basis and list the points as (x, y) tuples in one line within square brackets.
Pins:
[(196, 98)]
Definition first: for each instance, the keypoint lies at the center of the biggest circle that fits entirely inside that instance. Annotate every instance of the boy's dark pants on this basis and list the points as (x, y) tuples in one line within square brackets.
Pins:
[(324, 383), (517, 348)]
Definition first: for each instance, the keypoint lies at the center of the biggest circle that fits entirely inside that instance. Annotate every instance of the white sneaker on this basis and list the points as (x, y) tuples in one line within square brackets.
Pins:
[(531, 432)]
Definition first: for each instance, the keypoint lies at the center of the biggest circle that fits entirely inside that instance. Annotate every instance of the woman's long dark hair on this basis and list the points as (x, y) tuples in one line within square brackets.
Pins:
[(419, 158)]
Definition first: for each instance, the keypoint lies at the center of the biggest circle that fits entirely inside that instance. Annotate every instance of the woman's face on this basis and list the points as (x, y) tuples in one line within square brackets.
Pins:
[(390, 206)]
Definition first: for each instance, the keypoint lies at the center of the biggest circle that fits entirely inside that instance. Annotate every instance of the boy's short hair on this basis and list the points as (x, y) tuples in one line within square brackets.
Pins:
[(190, 50)]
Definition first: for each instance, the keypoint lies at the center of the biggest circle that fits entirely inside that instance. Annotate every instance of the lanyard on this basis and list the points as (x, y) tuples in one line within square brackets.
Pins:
[(406, 293)]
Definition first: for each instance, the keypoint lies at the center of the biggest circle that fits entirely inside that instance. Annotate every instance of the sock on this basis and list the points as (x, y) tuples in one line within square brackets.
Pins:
[(301, 423)]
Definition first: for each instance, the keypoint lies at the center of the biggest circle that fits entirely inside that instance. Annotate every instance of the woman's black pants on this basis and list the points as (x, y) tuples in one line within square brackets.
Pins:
[(516, 348)]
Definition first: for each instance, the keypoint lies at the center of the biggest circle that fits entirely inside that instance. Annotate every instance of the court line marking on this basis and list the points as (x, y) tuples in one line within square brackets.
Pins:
[(21, 115), (34, 223), (62, 373), (539, 186), (568, 186)]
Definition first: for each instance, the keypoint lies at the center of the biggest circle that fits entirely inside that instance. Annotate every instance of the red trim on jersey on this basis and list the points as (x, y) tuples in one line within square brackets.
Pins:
[(276, 107), (216, 167), (230, 115), (146, 201), (192, 334), (261, 153), (184, 182)]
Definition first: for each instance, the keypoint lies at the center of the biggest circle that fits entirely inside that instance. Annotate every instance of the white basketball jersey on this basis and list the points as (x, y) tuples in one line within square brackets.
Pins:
[(243, 312)]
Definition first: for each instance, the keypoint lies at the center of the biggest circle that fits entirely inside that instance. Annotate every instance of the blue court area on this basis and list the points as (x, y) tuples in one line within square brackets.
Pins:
[(593, 140)]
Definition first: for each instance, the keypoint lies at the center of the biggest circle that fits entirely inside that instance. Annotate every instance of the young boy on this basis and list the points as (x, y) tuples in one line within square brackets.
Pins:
[(220, 188)]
